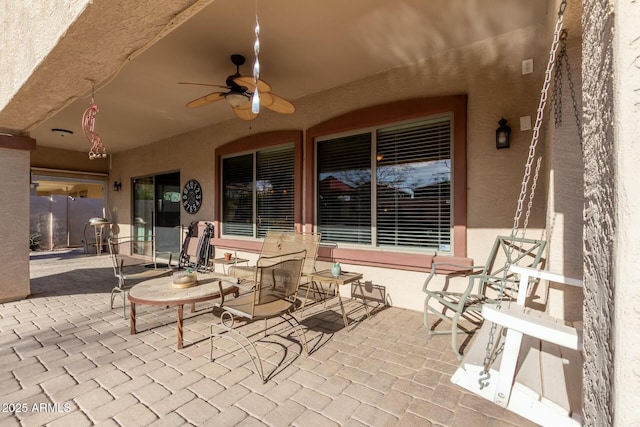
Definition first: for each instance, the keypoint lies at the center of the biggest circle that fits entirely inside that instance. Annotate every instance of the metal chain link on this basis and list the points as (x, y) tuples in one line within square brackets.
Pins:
[(564, 57), (557, 94), (490, 354)]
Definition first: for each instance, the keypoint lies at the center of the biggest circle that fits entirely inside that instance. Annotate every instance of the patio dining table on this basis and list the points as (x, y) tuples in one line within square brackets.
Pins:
[(160, 291)]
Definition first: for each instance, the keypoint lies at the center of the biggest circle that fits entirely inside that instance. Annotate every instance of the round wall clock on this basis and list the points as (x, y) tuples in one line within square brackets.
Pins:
[(192, 196)]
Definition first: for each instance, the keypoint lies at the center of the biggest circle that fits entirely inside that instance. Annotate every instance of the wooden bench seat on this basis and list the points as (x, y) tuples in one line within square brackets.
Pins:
[(538, 372)]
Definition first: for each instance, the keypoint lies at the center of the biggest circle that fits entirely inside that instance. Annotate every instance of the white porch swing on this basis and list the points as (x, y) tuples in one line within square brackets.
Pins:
[(523, 359)]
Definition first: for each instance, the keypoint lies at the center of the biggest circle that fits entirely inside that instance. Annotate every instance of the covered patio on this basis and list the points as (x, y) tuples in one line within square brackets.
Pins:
[(67, 353), (362, 76)]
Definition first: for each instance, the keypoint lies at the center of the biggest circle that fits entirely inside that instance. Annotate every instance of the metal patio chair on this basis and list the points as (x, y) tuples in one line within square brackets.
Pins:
[(484, 283), (274, 294), (129, 270), (278, 243)]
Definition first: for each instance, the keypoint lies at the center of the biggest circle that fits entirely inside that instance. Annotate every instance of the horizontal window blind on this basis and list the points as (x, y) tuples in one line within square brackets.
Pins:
[(259, 198), (274, 190), (413, 185), (237, 195), (344, 189)]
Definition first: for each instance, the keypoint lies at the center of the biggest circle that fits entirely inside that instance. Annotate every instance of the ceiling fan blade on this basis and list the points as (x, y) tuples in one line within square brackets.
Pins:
[(247, 82), (245, 113), (277, 103), (203, 84), (207, 99)]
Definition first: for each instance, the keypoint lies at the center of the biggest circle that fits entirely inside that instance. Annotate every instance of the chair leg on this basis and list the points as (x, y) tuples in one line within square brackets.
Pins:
[(124, 304), (113, 296), (441, 316), (298, 328), (454, 331), (122, 292), (454, 334), (244, 347), (426, 313)]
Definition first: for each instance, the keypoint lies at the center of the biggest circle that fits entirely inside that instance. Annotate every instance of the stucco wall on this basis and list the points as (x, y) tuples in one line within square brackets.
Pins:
[(14, 232), (24, 46), (488, 71), (565, 167), (600, 227), (626, 358)]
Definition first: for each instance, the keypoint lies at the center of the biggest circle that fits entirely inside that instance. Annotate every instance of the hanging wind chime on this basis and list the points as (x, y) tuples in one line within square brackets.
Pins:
[(97, 151), (255, 101)]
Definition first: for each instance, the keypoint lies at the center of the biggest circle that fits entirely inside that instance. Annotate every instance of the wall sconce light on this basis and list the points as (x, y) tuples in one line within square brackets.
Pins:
[(503, 135), (117, 186)]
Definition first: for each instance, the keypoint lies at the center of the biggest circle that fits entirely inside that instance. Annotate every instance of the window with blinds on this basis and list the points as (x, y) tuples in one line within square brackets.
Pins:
[(258, 192), (237, 195), (390, 187), (274, 190), (344, 189)]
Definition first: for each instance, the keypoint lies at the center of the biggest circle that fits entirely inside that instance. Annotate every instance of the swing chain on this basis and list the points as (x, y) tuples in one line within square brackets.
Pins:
[(490, 354), (563, 58)]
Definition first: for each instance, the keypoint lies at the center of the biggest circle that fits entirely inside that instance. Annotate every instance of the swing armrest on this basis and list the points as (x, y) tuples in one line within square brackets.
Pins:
[(526, 273), (535, 324), (545, 275)]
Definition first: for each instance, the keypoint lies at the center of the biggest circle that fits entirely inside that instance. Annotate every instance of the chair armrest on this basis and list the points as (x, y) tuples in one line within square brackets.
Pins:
[(162, 252), (464, 270)]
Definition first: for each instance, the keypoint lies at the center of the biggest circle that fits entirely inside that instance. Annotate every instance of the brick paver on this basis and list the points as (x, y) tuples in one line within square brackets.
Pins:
[(69, 359)]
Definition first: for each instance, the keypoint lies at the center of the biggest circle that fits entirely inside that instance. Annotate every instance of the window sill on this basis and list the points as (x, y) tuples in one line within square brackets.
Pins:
[(388, 259), (374, 258)]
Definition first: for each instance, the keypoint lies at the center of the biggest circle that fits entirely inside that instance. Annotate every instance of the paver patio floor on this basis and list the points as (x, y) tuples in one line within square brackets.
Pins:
[(67, 359)]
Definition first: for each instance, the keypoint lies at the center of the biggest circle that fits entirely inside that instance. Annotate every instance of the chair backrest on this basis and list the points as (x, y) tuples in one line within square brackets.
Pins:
[(507, 251), (114, 250), (119, 247), (278, 243), (204, 249), (278, 277)]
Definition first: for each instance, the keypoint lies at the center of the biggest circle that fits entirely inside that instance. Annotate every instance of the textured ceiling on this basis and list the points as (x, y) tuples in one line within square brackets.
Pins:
[(306, 47)]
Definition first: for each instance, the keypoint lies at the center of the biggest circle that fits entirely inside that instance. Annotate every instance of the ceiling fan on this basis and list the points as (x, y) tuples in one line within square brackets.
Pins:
[(239, 92)]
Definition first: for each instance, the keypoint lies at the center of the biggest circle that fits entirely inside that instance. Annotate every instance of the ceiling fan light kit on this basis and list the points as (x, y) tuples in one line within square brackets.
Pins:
[(237, 100)]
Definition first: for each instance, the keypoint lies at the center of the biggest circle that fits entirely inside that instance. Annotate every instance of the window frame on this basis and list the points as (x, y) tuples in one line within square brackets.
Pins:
[(257, 173), (390, 114), (252, 144), (373, 135)]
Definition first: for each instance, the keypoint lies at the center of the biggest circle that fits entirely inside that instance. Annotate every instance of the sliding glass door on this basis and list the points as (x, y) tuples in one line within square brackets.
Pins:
[(167, 193), (156, 211), (143, 213)]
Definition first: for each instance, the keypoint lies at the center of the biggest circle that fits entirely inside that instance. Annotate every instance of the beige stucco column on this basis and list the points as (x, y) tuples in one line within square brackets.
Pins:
[(611, 84), (626, 256), (15, 152)]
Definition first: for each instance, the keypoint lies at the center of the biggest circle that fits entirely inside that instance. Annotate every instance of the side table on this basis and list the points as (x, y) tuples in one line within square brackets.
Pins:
[(225, 262), (345, 278)]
